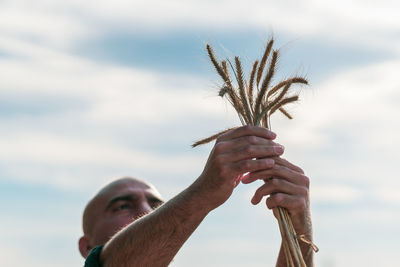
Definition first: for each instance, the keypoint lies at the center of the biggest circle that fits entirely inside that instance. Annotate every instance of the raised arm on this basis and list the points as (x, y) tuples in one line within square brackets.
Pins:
[(287, 187), (154, 239)]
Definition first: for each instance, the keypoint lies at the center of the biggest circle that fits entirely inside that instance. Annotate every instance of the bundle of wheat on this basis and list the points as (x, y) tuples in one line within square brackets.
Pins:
[(255, 107)]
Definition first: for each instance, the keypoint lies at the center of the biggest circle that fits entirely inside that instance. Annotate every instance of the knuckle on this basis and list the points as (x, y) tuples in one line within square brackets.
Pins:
[(274, 183), (248, 128), (268, 164), (249, 149), (264, 164), (245, 165), (275, 169), (303, 191), (278, 197), (219, 147), (252, 140), (306, 181)]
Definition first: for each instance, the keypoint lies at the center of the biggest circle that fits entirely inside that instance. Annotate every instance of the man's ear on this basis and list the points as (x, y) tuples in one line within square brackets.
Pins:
[(84, 246)]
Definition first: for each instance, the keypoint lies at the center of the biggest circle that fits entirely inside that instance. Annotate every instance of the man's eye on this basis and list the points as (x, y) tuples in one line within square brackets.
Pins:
[(121, 207)]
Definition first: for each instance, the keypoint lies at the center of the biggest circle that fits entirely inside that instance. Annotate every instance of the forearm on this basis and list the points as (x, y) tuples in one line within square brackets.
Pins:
[(155, 239)]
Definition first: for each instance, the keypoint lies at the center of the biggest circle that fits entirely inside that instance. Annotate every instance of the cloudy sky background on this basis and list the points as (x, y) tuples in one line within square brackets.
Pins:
[(94, 90)]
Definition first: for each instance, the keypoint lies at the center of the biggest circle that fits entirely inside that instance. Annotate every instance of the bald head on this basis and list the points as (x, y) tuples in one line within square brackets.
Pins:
[(93, 208), (115, 206)]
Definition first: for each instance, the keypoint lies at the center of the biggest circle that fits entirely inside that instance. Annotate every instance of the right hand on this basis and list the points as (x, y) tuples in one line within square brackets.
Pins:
[(286, 186), (242, 150)]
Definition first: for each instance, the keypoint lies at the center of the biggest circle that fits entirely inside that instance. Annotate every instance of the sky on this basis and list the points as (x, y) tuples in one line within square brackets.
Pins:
[(93, 90)]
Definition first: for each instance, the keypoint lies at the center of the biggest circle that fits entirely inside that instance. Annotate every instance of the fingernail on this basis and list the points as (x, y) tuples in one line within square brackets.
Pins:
[(273, 135), (279, 149)]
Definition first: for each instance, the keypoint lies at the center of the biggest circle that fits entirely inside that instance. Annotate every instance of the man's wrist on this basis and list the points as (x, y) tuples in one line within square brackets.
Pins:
[(198, 199), (302, 223)]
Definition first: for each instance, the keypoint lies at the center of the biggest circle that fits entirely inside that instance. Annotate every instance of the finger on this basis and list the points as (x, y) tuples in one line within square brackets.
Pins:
[(275, 186), (292, 203), (255, 152), (247, 131), (238, 144), (286, 163), (278, 171), (244, 166)]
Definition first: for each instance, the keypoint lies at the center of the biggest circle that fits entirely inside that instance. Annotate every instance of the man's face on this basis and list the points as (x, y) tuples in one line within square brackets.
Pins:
[(116, 206)]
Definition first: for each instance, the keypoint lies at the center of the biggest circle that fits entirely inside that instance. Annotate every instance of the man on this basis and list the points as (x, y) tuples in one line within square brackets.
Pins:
[(114, 217)]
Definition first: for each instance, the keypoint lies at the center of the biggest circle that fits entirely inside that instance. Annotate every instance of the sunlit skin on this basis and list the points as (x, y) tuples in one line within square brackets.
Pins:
[(114, 207)]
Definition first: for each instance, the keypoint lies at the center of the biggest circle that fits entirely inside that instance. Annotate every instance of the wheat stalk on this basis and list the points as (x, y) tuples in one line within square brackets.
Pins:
[(257, 112), (211, 138)]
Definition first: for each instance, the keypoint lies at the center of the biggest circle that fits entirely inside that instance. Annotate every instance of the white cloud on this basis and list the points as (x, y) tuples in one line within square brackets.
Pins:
[(116, 93), (38, 237), (81, 163), (335, 194), (388, 195), (34, 23), (55, 150), (359, 22)]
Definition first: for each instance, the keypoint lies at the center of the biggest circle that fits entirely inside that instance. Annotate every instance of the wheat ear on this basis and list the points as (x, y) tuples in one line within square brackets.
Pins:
[(242, 92), (264, 60), (251, 84), (217, 67), (283, 102), (233, 97), (283, 83), (266, 80)]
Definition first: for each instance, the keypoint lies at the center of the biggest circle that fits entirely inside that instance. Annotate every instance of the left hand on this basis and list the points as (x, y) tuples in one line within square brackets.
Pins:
[(287, 187)]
